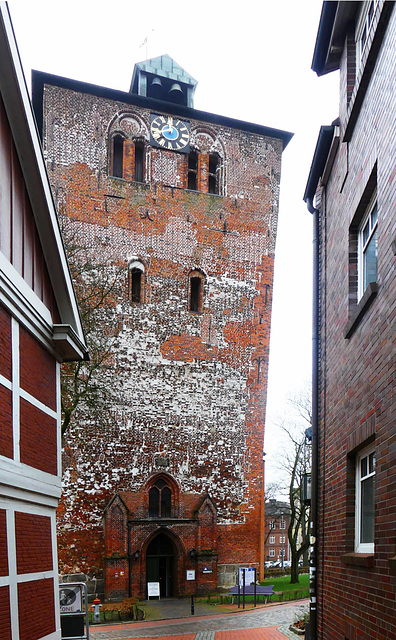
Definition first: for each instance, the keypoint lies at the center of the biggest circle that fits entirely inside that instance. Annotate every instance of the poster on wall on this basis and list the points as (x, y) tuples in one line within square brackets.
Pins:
[(190, 574)]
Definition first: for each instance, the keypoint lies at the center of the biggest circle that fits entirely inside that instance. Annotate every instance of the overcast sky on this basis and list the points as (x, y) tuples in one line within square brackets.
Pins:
[(252, 60)]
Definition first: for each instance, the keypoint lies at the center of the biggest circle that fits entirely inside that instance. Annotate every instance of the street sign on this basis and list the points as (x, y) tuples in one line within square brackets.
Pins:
[(73, 605), (70, 599)]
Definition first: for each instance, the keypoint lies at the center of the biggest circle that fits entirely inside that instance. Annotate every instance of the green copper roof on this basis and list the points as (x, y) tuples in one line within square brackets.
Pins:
[(164, 67)]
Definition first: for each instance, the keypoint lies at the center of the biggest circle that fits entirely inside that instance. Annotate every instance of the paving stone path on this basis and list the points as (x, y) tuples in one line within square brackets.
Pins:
[(270, 622)]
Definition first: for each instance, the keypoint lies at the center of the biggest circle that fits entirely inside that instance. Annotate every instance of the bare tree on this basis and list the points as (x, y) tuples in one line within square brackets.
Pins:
[(97, 282), (297, 463)]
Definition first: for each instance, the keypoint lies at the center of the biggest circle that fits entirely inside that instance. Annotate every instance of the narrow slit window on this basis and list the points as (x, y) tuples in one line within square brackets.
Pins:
[(139, 161), (136, 285), (118, 157), (193, 171), (213, 185), (195, 293)]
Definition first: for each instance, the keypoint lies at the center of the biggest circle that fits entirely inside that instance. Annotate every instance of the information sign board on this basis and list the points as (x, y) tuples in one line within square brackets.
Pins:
[(249, 576), (153, 590)]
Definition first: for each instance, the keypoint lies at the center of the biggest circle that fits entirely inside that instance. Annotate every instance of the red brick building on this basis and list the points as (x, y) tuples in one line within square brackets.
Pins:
[(39, 328), (351, 192), (166, 484), (277, 520)]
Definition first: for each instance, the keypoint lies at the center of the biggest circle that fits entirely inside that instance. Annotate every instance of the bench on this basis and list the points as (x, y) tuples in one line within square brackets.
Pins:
[(266, 591)]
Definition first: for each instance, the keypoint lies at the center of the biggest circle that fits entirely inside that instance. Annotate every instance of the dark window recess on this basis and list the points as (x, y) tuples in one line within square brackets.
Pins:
[(195, 293), (193, 171), (213, 185), (118, 153), (166, 502), (139, 155), (160, 500), (154, 502), (136, 285)]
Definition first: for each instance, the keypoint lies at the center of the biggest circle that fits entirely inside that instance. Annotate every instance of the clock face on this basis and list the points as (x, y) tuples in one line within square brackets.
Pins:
[(171, 133)]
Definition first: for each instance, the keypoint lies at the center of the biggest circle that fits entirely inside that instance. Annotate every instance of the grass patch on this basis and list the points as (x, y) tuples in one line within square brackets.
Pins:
[(282, 583), (282, 586)]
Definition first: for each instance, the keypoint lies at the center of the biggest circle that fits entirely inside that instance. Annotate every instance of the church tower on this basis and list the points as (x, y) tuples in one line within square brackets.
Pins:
[(175, 211)]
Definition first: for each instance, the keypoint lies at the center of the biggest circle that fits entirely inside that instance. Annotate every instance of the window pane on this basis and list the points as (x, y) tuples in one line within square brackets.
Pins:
[(165, 502), (371, 462), (118, 151), (370, 260), (195, 290), (136, 285), (154, 503), (367, 510), (374, 216), (139, 156), (366, 232), (363, 467)]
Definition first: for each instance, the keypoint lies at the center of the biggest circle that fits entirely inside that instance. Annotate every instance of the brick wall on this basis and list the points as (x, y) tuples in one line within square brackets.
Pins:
[(5, 616), (36, 609), (34, 359), (33, 543), (185, 392), (3, 544), (357, 594), (5, 342), (38, 444)]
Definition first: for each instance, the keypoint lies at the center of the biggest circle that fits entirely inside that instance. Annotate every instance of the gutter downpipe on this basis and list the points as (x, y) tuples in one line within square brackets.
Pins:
[(313, 559)]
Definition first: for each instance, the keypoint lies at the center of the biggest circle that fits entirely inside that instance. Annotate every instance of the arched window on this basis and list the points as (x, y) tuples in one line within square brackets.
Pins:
[(160, 500), (196, 283), (136, 282), (117, 164), (192, 182), (213, 174), (139, 161)]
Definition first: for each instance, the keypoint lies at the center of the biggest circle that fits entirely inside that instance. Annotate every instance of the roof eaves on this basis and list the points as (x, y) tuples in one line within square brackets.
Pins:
[(319, 160), (39, 79), (335, 20)]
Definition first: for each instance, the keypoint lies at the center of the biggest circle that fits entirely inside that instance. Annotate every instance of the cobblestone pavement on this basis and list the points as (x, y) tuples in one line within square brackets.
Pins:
[(269, 622)]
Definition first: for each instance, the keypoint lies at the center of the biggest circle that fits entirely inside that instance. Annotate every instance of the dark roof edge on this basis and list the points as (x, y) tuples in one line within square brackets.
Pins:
[(322, 149), (39, 78), (323, 37)]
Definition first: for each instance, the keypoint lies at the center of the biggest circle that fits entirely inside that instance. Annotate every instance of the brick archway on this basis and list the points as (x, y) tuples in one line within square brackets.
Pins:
[(163, 558)]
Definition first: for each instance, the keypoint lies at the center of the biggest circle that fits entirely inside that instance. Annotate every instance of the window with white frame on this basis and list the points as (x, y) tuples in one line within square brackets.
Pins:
[(272, 539), (272, 553), (364, 514), (282, 539), (282, 524), (272, 525), (367, 247), (363, 29)]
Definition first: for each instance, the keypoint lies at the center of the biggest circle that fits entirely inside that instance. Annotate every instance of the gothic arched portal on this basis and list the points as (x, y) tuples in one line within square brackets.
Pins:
[(161, 564)]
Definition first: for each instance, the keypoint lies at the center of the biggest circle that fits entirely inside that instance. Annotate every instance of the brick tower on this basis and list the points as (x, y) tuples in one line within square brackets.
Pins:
[(165, 482)]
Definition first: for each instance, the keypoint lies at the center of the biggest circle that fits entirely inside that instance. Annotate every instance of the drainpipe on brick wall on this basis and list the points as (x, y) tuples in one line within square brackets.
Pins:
[(315, 422), (129, 559)]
